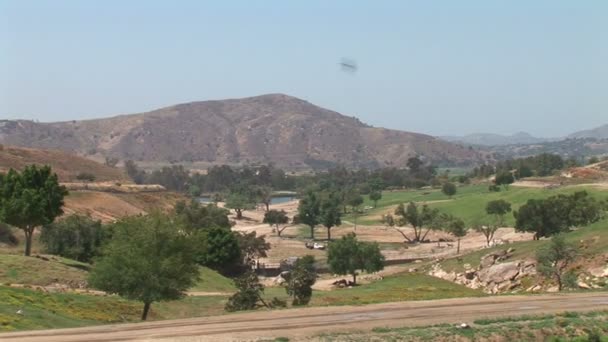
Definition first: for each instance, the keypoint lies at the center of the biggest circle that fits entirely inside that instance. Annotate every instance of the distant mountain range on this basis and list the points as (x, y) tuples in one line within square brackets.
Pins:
[(523, 138), (275, 128), (490, 139)]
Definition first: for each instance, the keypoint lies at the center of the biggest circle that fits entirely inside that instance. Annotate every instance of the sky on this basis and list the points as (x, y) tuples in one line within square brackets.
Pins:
[(436, 67)]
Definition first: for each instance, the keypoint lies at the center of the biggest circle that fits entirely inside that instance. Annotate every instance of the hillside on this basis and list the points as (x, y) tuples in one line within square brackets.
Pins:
[(281, 129), (67, 166), (600, 132)]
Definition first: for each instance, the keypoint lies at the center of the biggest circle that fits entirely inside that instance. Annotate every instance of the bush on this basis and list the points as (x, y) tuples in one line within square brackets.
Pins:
[(7, 236), (86, 176)]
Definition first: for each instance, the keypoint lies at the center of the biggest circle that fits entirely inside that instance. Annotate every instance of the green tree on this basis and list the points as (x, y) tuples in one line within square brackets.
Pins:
[(217, 248), (329, 214), (239, 202), (498, 208), (194, 190), (456, 227), (275, 218), (301, 279), (504, 178), (355, 202), (134, 172), (195, 216), (449, 189), (249, 293), (30, 199), (309, 211), (348, 255), (418, 219), (148, 259), (76, 237), (554, 260), (375, 196), (556, 214), (252, 246), (264, 196)]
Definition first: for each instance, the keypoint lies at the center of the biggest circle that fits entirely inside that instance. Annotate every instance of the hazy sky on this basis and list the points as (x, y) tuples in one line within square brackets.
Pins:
[(439, 67)]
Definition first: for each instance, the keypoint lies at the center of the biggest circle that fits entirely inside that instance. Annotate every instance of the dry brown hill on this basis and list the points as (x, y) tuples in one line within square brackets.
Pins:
[(287, 131), (67, 166)]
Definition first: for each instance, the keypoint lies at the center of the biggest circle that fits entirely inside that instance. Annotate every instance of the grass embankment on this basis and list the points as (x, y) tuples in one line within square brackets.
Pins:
[(19, 269), (569, 326), (468, 203), (62, 310)]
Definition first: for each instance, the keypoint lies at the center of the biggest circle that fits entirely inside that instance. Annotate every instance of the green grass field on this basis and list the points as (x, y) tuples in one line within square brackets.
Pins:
[(468, 203)]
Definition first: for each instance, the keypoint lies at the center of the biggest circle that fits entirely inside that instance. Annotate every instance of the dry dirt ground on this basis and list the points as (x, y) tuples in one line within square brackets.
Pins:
[(305, 323)]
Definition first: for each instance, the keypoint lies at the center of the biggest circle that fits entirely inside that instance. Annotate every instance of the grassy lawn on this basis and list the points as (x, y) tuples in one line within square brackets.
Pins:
[(569, 326), (211, 281), (399, 287), (468, 203)]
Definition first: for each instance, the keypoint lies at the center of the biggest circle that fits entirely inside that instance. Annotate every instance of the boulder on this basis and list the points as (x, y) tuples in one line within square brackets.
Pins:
[(499, 273)]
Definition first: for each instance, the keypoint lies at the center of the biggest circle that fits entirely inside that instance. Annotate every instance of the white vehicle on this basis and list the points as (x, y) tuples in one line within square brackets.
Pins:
[(317, 245)]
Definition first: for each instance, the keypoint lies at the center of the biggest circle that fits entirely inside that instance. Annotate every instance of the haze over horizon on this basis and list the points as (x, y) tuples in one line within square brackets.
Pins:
[(450, 68)]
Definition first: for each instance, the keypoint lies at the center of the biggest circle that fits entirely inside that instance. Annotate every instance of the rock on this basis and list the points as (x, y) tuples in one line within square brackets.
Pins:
[(583, 285), (412, 270), (467, 266), (553, 289), (499, 273)]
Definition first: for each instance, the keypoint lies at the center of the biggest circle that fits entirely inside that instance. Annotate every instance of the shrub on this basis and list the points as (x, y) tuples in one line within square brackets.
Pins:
[(7, 236), (86, 176), (76, 237)]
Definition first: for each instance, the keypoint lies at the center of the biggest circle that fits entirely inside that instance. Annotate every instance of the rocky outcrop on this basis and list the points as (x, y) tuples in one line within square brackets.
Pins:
[(497, 273)]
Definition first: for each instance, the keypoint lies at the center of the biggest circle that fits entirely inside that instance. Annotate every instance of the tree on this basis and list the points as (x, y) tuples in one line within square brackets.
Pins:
[(375, 196), (355, 202), (449, 189), (456, 227), (7, 236), (418, 219), (554, 260), (194, 190), (252, 246), (264, 196), (488, 231), (329, 214), (275, 218), (301, 279), (347, 256), (217, 248), (134, 172), (556, 214), (76, 237), (239, 202), (309, 211), (148, 259), (414, 164), (195, 216), (498, 208), (30, 199), (504, 178), (249, 292)]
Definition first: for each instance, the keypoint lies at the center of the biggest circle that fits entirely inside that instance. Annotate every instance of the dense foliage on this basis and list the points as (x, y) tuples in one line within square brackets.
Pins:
[(76, 237), (148, 259), (348, 255)]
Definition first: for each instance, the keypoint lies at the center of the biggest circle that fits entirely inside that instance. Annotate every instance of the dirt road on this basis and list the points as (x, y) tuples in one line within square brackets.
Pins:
[(302, 324)]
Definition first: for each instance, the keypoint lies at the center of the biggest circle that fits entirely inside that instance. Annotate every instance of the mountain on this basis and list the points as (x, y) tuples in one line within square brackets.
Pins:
[(489, 139), (600, 132), (281, 129), (66, 166)]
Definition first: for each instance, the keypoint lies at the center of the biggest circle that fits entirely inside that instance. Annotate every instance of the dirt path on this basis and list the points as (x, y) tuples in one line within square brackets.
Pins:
[(303, 324)]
